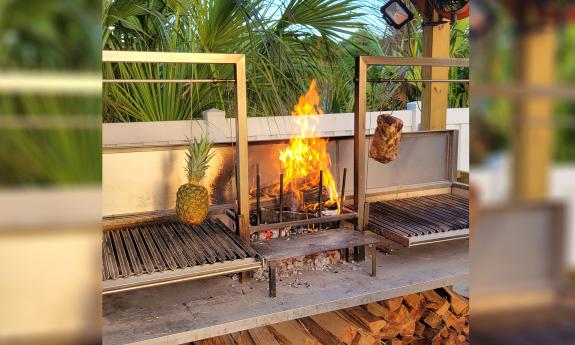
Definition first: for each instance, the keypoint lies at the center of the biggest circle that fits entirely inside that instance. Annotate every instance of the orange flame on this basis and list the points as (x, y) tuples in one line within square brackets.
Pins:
[(306, 154)]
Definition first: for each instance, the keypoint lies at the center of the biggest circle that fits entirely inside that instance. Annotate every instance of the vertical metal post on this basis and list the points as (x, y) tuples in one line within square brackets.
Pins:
[(242, 154), (359, 182), (373, 250), (258, 212), (320, 198), (342, 198), (281, 213), (272, 278), (342, 195), (242, 149)]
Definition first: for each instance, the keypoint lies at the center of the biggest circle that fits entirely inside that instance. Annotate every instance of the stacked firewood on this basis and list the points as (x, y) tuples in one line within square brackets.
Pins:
[(435, 317)]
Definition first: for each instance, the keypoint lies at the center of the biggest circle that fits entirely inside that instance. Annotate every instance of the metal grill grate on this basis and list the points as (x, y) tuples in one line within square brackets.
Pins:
[(421, 219), (167, 246)]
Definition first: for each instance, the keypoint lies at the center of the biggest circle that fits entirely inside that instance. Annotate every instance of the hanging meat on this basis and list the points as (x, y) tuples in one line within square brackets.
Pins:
[(385, 144)]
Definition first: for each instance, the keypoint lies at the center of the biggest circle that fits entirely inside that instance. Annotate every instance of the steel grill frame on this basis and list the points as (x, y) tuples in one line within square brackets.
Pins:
[(422, 219), (135, 256)]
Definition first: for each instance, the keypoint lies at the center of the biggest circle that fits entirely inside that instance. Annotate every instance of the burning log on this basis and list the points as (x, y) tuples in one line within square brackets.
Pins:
[(297, 200), (311, 196)]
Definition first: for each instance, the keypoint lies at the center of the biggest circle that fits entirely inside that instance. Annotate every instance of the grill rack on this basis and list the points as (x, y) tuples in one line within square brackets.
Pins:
[(151, 254), (421, 220)]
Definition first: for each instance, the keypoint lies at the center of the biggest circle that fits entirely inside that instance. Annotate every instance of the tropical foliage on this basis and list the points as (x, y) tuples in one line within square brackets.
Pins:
[(38, 144), (285, 48), (287, 43)]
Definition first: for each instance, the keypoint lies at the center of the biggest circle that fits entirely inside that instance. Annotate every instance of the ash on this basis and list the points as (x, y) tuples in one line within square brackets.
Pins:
[(330, 261), (297, 283)]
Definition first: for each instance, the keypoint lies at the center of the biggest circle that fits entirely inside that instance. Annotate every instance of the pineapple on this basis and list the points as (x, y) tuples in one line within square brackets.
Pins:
[(192, 199)]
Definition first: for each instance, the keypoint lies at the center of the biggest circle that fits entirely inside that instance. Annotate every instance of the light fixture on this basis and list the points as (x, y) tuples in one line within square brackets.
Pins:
[(396, 13)]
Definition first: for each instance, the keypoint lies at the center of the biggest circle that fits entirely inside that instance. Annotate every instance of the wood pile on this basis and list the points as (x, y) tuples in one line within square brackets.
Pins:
[(434, 317)]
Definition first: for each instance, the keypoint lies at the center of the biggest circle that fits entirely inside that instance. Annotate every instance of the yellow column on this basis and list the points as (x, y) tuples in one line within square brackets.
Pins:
[(436, 41), (532, 118)]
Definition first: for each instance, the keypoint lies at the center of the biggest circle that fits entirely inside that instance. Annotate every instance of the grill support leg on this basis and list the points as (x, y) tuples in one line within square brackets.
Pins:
[(373, 250), (359, 253), (346, 254), (272, 278)]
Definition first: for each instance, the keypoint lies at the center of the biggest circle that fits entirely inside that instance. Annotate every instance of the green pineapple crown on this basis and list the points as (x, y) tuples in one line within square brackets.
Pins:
[(198, 157)]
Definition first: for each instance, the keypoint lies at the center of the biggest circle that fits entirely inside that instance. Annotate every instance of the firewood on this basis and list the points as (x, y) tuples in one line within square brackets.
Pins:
[(397, 316), (336, 325), (433, 300), (459, 324), (452, 339), (408, 326), (377, 310), (461, 338), (413, 299), (443, 309), (432, 334), (419, 328), (413, 340), (397, 342), (292, 333), (444, 331), (458, 303), (322, 335), (418, 341), (393, 303), (243, 338), (417, 311), (449, 318), (364, 318), (390, 331), (263, 336), (363, 338), (432, 319)]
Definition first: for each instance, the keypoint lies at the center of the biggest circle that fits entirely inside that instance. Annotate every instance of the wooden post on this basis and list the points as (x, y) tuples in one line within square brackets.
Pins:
[(532, 133), (436, 43)]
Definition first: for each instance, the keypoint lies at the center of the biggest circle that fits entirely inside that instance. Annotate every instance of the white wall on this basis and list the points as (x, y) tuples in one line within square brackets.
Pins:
[(141, 179), (222, 130)]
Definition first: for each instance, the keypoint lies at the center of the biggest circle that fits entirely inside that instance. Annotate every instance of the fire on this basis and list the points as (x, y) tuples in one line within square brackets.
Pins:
[(306, 154)]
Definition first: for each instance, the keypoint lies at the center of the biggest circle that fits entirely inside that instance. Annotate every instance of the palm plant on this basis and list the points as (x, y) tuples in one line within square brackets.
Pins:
[(37, 144), (286, 46)]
